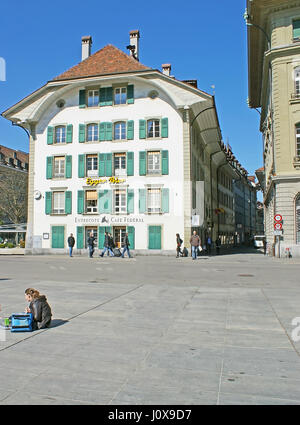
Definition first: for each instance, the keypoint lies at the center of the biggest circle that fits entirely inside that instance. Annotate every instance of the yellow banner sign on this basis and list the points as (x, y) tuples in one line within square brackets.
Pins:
[(95, 182)]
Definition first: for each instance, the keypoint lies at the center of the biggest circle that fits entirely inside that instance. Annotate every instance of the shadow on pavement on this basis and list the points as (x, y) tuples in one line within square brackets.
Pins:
[(57, 322)]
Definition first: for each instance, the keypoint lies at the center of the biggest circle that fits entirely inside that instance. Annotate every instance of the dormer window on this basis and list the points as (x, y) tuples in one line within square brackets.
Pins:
[(93, 98), (120, 96)]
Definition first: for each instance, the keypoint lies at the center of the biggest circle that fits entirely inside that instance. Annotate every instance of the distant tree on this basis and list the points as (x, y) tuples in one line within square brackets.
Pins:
[(13, 196)]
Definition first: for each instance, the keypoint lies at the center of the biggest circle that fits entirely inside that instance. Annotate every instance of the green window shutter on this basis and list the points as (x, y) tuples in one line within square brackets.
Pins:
[(131, 236), (81, 160), (102, 131), (101, 236), (142, 132), (154, 233), (58, 237), (81, 136), (80, 235), (80, 201), (164, 127), (108, 131), (165, 162), (142, 155), (130, 201), (82, 99), (165, 200), (48, 202), (69, 166), (296, 29), (142, 200), (49, 167), (104, 198), (102, 96), (130, 93), (50, 135), (109, 96), (68, 202), (69, 133), (108, 165), (130, 163), (130, 130), (101, 169)]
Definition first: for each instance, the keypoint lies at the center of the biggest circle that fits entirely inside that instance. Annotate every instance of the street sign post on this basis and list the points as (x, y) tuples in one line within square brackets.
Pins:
[(278, 229)]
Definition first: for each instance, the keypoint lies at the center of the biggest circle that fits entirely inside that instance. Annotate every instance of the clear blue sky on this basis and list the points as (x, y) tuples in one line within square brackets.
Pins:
[(203, 40)]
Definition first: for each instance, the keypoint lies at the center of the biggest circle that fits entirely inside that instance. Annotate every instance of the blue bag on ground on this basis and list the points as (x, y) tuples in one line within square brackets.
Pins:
[(21, 322)]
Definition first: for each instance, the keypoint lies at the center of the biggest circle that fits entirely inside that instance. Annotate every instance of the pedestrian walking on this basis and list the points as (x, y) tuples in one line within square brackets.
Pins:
[(111, 244), (126, 246), (179, 242), (218, 245), (208, 245), (90, 242), (71, 243), (265, 246), (107, 247), (195, 242)]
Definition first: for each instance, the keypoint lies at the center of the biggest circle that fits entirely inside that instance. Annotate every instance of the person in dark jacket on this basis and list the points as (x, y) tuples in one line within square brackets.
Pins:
[(90, 242), (178, 245), (126, 246), (111, 244), (107, 245), (218, 245), (39, 308), (71, 243)]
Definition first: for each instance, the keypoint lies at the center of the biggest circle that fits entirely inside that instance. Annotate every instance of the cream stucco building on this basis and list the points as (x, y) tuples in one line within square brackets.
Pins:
[(274, 85), (118, 146)]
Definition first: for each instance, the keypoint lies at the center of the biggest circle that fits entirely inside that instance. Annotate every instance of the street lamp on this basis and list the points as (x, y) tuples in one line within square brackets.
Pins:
[(247, 18)]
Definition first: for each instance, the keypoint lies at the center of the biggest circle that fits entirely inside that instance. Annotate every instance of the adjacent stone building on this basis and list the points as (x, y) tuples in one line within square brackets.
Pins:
[(274, 86)]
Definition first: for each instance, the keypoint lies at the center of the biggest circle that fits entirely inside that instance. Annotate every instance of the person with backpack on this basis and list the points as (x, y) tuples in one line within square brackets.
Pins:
[(71, 243), (90, 242), (179, 242), (39, 308), (126, 246)]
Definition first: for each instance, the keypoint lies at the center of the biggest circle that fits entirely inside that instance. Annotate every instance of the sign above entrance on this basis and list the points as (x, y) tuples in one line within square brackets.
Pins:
[(107, 220), (95, 182)]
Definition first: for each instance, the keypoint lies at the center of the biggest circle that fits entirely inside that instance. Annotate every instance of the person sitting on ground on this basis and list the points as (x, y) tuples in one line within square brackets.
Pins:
[(39, 307)]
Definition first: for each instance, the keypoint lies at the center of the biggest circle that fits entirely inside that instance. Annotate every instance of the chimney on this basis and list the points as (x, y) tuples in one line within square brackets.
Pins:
[(86, 44), (166, 67), (134, 41)]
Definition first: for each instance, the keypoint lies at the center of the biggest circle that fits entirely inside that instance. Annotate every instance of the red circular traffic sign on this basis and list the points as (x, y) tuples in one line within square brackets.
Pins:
[(278, 217), (278, 226)]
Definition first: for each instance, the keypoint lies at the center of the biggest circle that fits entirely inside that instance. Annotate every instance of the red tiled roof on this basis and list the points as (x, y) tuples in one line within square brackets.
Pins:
[(260, 170), (9, 153), (109, 60)]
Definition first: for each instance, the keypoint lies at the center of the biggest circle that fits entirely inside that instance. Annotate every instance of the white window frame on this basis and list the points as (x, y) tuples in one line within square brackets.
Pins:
[(120, 207), (92, 98), (93, 164), (154, 171), (93, 135), (120, 130), (298, 139), (118, 98), (59, 197), (60, 134), (154, 133), (154, 201), (61, 161), (121, 171), (91, 206)]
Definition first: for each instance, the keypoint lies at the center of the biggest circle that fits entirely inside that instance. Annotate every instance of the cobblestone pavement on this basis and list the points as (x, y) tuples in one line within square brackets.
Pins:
[(153, 330)]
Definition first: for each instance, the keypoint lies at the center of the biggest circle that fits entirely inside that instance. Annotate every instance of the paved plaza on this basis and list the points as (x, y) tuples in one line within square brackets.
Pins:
[(153, 330)]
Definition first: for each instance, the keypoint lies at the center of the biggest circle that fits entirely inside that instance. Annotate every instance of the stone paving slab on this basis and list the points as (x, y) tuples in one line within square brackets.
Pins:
[(153, 331)]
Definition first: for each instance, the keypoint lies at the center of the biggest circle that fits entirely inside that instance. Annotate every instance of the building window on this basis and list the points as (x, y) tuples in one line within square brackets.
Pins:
[(153, 128), (92, 132), (120, 201), (297, 82), (153, 162), (58, 202), (59, 166), (120, 164), (298, 139), (92, 165), (93, 98), (119, 131), (296, 30), (91, 201), (154, 200), (298, 220), (60, 134), (120, 96)]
